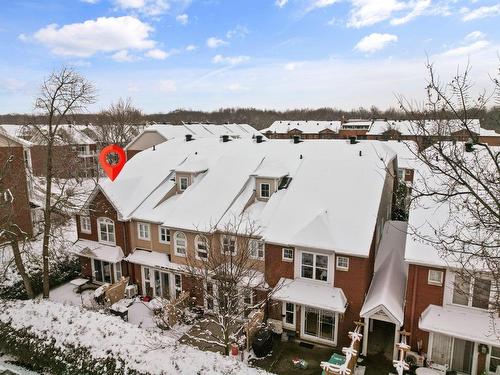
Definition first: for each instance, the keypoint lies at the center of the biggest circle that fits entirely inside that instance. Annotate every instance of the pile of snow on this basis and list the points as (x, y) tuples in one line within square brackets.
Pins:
[(145, 351)]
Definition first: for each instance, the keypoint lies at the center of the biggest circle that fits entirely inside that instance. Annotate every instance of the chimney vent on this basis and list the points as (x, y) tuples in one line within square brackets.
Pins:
[(154, 147), (296, 139), (259, 138), (225, 138), (189, 137), (468, 147), (352, 140)]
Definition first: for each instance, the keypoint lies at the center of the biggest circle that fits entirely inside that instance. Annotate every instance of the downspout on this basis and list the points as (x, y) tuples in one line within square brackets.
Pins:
[(413, 298)]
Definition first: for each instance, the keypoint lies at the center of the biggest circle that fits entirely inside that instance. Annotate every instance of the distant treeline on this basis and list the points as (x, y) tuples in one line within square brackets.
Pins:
[(263, 118)]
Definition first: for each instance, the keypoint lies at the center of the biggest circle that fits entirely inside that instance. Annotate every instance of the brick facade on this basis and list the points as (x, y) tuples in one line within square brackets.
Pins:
[(275, 267), (66, 162), (16, 181), (419, 295)]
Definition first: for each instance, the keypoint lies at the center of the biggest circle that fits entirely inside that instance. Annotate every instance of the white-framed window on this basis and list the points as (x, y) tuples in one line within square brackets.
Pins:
[(320, 324), (177, 285), (314, 266), (289, 314), (265, 190), (180, 244), (494, 359), (144, 231), (229, 245), (164, 234), (247, 300), (85, 224), (183, 183), (256, 249), (156, 283), (201, 247), (287, 254), (118, 270), (435, 277), (401, 173), (456, 353), (342, 263), (471, 291), (106, 230)]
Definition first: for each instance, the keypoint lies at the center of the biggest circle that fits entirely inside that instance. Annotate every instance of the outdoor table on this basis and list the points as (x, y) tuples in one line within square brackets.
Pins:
[(79, 283), (120, 308), (336, 359)]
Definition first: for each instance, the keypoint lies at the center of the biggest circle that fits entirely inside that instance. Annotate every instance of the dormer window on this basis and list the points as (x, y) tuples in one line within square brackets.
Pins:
[(183, 183), (265, 190)]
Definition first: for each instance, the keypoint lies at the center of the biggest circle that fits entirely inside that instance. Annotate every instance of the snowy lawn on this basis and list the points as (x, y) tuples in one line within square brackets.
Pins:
[(104, 336)]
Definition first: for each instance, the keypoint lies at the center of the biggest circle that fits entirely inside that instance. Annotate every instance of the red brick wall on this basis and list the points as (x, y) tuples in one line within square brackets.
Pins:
[(100, 207), (419, 295), (66, 163), (345, 133), (194, 287), (131, 153), (492, 141), (276, 268), (15, 180)]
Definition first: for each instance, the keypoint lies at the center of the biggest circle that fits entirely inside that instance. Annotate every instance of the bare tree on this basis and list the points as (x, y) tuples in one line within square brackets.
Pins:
[(119, 123), (227, 269), (63, 94), (462, 178)]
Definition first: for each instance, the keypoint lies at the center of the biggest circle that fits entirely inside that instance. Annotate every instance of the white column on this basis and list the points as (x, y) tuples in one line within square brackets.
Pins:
[(396, 340), (365, 337)]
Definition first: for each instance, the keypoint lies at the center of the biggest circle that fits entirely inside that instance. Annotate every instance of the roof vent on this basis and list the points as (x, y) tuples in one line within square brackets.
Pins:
[(296, 139), (189, 137), (259, 138), (352, 140), (154, 147), (225, 138)]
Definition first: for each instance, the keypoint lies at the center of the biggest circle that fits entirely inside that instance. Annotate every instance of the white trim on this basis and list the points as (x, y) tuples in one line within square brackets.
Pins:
[(304, 335), (146, 230), (435, 282), (180, 183), (107, 221), (293, 325), (87, 231), (314, 267), (176, 252), (258, 244), (285, 259), (197, 240), (341, 268), (260, 190)]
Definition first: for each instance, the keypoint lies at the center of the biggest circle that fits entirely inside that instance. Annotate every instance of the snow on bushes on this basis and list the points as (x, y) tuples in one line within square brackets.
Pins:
[(90, 343)]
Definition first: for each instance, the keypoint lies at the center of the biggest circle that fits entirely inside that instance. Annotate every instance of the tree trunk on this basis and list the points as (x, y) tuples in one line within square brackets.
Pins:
[(47, 220), (20, 268)]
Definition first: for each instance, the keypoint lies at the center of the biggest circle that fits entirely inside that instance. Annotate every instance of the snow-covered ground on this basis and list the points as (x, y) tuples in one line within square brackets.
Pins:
[(144, 350), (8, 366)]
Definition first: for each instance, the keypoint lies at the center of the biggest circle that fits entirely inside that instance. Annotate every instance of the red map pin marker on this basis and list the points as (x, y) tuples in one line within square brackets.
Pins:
[(110, 163)]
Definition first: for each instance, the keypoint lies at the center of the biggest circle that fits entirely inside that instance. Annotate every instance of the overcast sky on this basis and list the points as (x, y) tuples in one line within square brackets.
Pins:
[(207, 54)]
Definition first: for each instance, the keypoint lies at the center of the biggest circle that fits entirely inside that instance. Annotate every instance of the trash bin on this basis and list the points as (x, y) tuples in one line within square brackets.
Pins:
[(262, 343)]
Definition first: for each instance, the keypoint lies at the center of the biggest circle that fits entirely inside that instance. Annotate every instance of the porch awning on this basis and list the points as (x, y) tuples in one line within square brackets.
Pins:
[(467, 324), (152, 259), (96, 250), (309, 293)]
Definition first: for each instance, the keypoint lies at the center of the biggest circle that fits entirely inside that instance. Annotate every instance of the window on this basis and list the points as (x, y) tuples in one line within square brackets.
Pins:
[(82, 150), (229, 245), (118, 270), (289, 314), (471, 291), (435, 277), (183, 183), (178, 285), (201, 247), (256, 249), (494, 359), (164, 235), (454, 352), (106, 230), (85, 224), (156, 283), (287, 254), (102, 271), (342, 263), (319, 323), (314, 266), (143, 230), (247, 299), (180, 244), (209, 296), (400, 173), (265, 190)]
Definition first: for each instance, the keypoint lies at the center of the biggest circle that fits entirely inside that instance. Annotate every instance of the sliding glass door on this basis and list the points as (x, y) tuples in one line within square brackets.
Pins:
[(456, 353), (156, 283), (102, 271), (319, 323)]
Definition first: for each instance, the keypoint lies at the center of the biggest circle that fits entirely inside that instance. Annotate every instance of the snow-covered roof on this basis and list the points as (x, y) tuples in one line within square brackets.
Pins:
[(312, 211), (443, 127), (92, 249), (387, 289), (406, 151), (431, 215), (13, 135), (152, 259), (463, 323), (306, 127), (310, 293)]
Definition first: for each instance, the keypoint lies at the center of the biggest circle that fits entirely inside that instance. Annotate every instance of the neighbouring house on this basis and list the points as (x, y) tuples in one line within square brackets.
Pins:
[(158, 133), (449, 314), (383, 130), (17, 181), (308, 129), (75, 153), (320, 207)]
